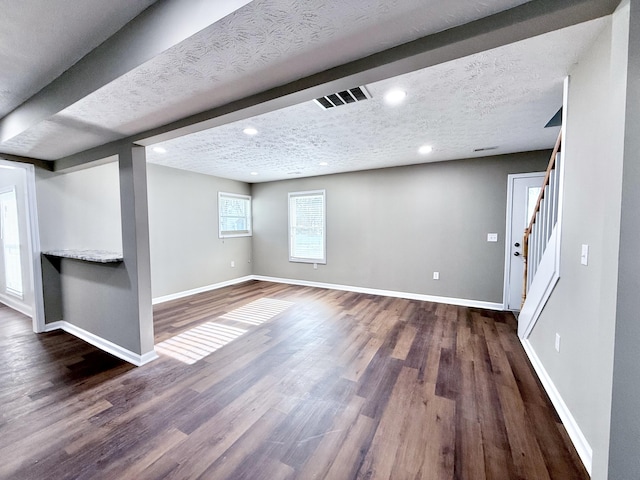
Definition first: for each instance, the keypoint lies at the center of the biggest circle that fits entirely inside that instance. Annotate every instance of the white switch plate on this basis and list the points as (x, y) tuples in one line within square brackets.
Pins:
[(315, 266), (492, 237), (233, 263), (557, 342), (436, 275), (584, 256)]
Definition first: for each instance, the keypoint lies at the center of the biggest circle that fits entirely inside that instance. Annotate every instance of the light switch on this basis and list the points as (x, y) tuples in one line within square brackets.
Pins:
[(584, 257), (492, 237)]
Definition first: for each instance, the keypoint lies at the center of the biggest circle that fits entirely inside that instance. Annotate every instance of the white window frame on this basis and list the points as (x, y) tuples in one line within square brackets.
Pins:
[(234, 233), (292, 257)]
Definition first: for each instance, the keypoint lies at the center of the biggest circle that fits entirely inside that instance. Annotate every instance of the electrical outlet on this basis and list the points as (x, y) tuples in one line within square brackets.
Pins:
[(492, 237), (436, 275), (233, 263), (315, 266), (557, 342)]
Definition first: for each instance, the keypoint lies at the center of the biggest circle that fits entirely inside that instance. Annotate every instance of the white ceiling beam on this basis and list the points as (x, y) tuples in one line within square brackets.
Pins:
[(161, 26)]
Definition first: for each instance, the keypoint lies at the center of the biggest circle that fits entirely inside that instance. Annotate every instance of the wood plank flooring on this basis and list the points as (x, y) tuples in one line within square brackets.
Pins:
[(338, 385)]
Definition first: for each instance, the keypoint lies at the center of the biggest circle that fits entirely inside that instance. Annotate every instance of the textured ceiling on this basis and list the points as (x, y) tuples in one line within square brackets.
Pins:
[(502, 97), (40, 39), (262, 45)]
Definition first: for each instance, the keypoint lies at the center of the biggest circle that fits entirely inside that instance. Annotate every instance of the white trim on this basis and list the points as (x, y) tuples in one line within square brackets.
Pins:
[(386, 293), (541, 288), (548, 272), (206, 288), (34, 241), (508, 238), (243, 233), (105, 345), (33, 229), (332, 286), (323, 193), (21, 307), (33, 234), (570, 424)]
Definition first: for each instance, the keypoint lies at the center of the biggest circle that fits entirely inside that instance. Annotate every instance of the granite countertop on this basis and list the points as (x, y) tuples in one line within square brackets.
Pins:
[(99, 256)]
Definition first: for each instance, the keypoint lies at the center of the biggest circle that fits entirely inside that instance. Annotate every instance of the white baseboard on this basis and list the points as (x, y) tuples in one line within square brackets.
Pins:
[(17, 305), (206, 288), (333, 286), (385, 293), (575, 433), (105, 345)]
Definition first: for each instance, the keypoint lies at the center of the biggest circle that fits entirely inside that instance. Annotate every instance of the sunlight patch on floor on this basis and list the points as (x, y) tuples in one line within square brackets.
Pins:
[(198, 342), (258, 312)]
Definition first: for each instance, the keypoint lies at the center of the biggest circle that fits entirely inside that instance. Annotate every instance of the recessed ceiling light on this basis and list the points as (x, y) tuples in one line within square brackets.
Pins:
[(250, 131), (254, 173), (323, 164), (395, 97), (425, 149), (159, 150)]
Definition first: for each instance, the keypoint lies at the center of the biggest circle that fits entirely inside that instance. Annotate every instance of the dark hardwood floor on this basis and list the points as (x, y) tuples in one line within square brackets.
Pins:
[(336, 385)]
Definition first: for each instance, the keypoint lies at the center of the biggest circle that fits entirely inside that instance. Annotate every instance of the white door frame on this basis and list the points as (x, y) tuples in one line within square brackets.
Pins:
[(33, 241), (508, 240)]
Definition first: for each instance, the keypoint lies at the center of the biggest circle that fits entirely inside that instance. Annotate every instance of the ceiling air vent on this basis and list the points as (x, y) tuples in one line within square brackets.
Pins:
[(352, 95)]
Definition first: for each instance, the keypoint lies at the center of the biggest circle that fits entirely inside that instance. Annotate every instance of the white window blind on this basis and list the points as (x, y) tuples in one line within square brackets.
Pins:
[(307, 221), (234, 215)]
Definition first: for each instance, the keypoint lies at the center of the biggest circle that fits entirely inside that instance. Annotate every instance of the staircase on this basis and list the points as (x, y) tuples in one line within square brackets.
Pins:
[(541, 244)]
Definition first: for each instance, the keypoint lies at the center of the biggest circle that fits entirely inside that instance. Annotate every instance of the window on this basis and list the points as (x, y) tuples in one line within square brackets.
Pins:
[(234, 215), (307, 232), (532, 199), (10, 239)]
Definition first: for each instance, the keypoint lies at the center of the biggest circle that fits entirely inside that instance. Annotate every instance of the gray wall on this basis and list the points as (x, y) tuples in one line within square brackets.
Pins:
[(17, 177), (582, 306), (80, 210), (186, 252), (392, 228)]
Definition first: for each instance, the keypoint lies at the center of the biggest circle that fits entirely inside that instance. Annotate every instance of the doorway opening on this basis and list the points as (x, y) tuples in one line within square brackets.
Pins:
[(20, 268)]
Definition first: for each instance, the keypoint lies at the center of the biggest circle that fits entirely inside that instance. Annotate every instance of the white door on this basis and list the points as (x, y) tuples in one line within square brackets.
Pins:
[(523, 191)]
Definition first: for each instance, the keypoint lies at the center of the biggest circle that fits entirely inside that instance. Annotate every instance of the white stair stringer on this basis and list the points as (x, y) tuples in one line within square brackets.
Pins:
[(546, 277)]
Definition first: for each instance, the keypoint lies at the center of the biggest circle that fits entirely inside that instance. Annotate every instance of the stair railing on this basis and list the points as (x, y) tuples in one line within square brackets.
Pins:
[(543, 220)]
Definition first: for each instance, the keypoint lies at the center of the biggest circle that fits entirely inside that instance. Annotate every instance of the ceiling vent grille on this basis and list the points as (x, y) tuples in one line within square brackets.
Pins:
[(484, 149), (353, 95)]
